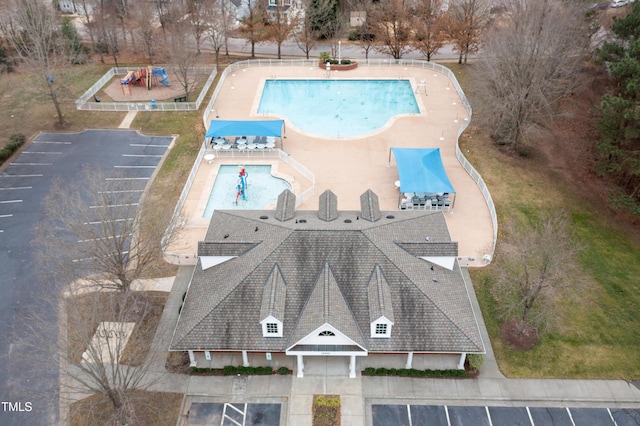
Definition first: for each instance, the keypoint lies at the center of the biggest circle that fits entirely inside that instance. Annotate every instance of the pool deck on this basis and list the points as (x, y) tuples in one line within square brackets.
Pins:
[(350, 166)]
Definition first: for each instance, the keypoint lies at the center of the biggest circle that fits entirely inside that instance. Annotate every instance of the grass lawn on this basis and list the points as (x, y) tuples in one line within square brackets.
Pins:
[(599, 332), (151, 408)]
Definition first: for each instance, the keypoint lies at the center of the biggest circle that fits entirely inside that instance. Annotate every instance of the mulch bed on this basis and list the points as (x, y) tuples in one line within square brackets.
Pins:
[(326, 410), (518, 335)]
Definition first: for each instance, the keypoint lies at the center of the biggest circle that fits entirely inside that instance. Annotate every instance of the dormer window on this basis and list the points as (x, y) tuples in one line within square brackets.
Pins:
[(381, 328), (271, 327)]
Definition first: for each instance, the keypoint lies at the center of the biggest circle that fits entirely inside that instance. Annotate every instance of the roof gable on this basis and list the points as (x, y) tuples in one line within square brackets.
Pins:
[(326, 305), (379, 294), (274, 295)]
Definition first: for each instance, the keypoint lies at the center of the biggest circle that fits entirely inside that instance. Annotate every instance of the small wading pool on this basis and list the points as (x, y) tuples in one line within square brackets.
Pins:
[(338, 108), (262, 189)]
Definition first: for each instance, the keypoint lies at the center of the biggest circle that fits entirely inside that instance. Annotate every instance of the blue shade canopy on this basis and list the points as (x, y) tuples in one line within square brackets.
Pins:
[(245, 128), (421, 170)]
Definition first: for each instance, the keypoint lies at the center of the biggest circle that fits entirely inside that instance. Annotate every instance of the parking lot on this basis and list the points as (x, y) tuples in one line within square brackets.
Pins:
[(437, 415), (24, 183)]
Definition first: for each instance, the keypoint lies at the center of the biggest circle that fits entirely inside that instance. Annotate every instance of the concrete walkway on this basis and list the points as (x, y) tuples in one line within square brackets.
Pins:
[(357, 395)]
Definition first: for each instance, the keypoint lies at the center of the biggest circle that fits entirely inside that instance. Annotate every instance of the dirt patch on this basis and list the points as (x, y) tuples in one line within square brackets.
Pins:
[(520, 336), (177, 362)]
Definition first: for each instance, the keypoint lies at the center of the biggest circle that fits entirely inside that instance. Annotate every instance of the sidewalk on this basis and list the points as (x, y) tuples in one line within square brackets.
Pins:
[(357, 395)]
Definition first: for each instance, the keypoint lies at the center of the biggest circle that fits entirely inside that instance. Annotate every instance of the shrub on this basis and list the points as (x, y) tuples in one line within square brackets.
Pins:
[(412, 372), (15, 141), (283, 371), (345, 62), (324, 57), (476, 361)]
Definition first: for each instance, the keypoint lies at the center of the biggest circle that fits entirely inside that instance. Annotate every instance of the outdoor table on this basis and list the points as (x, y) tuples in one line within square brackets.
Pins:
[(270, 144), (209, 158), (226, 146), (220, 141), (251, 146), (217, 146)]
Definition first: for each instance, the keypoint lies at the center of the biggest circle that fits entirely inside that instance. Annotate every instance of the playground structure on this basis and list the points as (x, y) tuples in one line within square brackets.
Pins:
[(242, 183), (144, 77)]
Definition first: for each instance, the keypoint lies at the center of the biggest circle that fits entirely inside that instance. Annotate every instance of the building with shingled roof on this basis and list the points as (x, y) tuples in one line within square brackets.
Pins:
[(377, 289)]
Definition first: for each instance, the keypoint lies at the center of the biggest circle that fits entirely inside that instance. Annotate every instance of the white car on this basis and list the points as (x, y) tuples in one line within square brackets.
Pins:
[(619, 3)]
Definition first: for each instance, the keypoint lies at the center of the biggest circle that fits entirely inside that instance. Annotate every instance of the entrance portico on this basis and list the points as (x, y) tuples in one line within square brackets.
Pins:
[(326, 341)]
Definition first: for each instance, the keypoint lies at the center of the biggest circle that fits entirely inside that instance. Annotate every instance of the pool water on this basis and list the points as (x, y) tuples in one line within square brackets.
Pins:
[(338, 108), (262, 189)]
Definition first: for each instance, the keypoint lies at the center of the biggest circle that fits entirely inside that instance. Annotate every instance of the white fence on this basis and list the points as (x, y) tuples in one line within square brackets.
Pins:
[(382, 63), (84, 101)]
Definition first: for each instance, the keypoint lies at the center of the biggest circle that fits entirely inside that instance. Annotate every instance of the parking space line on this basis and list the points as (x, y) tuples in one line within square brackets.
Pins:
[(52, 142), (611, 415), (571, 417), (409, 414), (42, 152), (446, 411), (135, 167), (16, 188), (142, 155), (10, 201), (31, 164), (115, 205), (97, 222), (488, 415), (530, 418), (108, 237), (6, 215), (145, 145), (243, 413), (21, 175)]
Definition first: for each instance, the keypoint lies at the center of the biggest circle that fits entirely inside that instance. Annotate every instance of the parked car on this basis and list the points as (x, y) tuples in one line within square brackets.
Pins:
[(619, 3)]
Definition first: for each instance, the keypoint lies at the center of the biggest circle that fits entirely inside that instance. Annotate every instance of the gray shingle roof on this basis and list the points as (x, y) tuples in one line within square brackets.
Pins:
[(369, 206), (273, 295), (379, 293), (214, 248), (328, 206), (286, 206), (430, 248), (225, 303)]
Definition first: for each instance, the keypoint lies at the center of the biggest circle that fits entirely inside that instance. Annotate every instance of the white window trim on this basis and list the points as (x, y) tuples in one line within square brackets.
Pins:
[(271, 320), (273, 2), (381, 321)]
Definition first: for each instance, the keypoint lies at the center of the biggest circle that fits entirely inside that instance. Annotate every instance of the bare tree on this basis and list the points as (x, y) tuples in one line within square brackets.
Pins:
[(430, 27), (94, 233), (529, 64), (393, 28), (107, 25), (252, 24), (200, 14), (533, 267), (31, 28), (364, 35), (145, 27), (468, 21), (279, 25), (306, 33), (217, 31), (100, 344), (182, 57)]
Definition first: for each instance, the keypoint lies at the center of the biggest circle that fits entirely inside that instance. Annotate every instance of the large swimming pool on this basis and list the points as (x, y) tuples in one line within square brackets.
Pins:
[(261, 189), (338, 108)]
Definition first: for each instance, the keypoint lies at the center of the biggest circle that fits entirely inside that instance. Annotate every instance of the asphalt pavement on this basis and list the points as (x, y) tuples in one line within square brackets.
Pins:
[(24, 183)]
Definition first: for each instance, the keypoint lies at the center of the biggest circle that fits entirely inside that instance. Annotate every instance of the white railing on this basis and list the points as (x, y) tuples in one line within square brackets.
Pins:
[(83, 102), (183, 196), (473, 173)]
